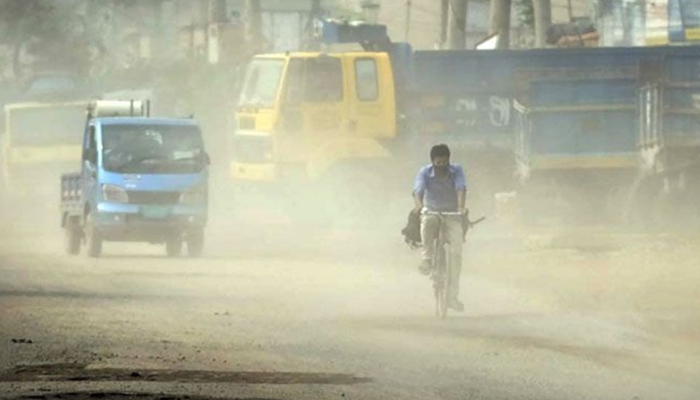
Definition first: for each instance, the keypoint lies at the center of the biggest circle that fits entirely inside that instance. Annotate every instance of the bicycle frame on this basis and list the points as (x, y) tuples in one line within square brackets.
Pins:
[(441, 262)]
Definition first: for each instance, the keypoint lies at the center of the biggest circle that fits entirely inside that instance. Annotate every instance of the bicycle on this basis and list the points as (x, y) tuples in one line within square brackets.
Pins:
[(441, 259)]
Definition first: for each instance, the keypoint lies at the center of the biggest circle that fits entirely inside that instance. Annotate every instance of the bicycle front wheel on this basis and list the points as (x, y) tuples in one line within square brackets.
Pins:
[(440, 283)]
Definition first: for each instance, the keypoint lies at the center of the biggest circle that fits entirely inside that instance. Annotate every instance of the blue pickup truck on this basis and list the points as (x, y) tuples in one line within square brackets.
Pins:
[(142, 179)]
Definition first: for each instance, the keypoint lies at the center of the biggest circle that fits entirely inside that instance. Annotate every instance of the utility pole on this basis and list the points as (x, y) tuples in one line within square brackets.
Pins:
[(500, 22), (458, 24), (310, 42), (217, 11), (156, 41), (216, 15), (543, 20), (444, 21), (315, 9), (407, 26), (570, 9), (370, 10), (253, 25)]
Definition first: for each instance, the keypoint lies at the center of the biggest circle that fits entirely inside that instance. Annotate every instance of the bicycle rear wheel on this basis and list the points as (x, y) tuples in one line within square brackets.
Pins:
[(440, 277)]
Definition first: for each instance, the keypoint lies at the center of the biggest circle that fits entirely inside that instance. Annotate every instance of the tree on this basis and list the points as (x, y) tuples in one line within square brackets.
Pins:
[(43, 35), (525, 12), (500, 22), (543, 20), (18, 21), (458, 24), (525, 23)]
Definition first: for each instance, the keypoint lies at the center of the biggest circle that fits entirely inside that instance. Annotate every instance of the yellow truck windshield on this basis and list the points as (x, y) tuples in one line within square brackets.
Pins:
[(262, 83), (316, 80)]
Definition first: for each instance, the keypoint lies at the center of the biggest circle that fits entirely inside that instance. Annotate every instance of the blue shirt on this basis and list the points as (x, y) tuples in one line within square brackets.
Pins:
[(439, 193)]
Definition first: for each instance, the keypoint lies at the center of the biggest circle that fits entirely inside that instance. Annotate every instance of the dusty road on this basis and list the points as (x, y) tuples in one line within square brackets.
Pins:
[(277, 312)]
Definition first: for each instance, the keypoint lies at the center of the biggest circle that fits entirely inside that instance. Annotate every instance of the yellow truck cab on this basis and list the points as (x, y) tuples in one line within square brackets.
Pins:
[(300, 114), (39, 139)]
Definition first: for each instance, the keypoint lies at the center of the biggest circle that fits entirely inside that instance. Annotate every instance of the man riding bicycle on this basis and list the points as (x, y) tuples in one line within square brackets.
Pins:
[(441, 187)]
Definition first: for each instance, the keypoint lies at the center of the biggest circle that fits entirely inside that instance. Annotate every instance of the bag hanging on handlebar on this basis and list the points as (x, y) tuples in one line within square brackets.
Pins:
[(411, 232)]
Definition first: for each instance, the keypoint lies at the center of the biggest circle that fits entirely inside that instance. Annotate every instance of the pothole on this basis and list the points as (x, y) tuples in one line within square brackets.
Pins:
[(80, 372)]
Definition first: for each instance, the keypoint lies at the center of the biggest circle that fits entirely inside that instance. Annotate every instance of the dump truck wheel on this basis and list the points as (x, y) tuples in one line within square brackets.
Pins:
[(195, 242), (93, 238), (173, 246), (73, 237)]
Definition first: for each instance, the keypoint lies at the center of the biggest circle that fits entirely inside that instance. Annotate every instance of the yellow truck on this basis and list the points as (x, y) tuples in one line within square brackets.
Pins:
[(39, 141), (308, 111), (358, 124), (308, 120)]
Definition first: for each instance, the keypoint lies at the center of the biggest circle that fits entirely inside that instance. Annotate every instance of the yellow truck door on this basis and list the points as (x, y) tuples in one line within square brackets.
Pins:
[(372, 97), (314, 108), (324, 98)]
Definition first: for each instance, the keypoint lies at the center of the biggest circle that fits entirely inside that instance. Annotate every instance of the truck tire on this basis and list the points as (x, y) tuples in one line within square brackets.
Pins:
[(93, 238), (73, 237), (173, 246), (195, 242)]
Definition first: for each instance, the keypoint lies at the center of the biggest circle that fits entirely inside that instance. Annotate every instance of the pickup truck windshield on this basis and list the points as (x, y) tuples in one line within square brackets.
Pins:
[(46, 126), (152, 149), (261, 83)]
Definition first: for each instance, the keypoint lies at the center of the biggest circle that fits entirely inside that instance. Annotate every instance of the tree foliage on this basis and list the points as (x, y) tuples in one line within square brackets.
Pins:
[(47, 35), (525, 12)]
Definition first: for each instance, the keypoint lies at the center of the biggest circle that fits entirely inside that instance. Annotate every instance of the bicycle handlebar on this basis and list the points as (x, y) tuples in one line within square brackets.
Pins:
[(443, 213), (472, 223), (453, 214)]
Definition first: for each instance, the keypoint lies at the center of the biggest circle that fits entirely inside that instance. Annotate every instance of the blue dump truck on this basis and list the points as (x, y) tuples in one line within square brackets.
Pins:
[(142, 179), (589, 134), (608, 134), (576, 134), (550, 124), (464, 99), (666, 192)]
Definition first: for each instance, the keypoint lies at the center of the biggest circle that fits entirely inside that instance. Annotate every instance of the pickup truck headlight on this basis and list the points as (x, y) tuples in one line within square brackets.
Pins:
[(114, 194), (195, 195)]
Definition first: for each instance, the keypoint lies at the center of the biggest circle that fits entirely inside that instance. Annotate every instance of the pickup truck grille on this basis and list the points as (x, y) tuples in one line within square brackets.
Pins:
[(143, 197)]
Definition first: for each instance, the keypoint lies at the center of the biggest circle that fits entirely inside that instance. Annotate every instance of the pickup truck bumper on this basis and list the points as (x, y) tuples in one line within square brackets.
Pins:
[(151, 223)]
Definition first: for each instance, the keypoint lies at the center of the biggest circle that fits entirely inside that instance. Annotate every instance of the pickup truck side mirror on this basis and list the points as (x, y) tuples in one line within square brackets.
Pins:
[(90, 155)]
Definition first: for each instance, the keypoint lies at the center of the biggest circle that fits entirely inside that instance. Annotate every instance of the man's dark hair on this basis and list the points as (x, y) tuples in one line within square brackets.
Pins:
[(439, 150)]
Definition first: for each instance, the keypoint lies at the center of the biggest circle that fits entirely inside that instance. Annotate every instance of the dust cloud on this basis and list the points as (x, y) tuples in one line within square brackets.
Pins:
[(317, 273)]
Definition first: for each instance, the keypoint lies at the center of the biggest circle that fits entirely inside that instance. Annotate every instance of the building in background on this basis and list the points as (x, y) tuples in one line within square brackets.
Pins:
[(216, 29), (213, 30), (621, 22), (641, 23), (672, 21), (656, 23), (424, 21)]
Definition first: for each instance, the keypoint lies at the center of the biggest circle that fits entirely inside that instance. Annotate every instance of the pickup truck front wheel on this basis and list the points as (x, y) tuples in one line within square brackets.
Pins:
[(173, 246), (195, 242), (73, 236), (93, 238)]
